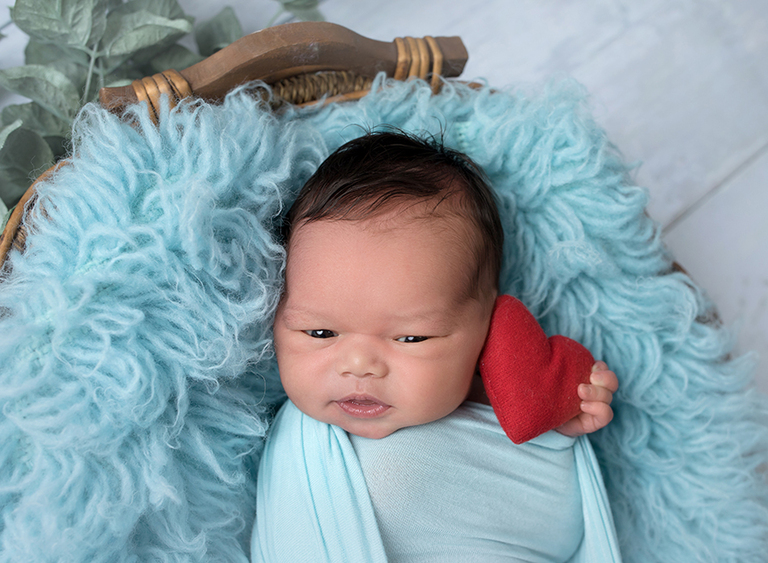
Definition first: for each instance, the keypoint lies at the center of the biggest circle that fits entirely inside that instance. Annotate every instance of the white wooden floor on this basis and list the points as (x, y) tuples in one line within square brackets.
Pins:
[(680, 85)]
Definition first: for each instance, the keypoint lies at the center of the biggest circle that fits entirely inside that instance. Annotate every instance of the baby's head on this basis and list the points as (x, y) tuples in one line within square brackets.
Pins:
[(393, 255)]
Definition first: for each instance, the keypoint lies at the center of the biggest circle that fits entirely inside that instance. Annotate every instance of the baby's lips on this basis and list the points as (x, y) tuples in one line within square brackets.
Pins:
[(362, 406), (363, 399)]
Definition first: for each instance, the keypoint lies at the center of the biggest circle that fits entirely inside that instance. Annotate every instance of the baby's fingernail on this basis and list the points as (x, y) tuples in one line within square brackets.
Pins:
[(599, 366), (585, 389)]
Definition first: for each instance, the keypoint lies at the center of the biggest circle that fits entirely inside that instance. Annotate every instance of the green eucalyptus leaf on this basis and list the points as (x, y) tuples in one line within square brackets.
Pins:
[(142, 30), (67, 22), (177, 57), (98, 22), (308, 15), (304, 10), (7, 130), (71, 62), (119, 82), (218, 32), (5, 213), (23, 157), (37, 119), (39, 53), (165, 8), (124, 75), (44, 85), (59, 146), (114, 65)]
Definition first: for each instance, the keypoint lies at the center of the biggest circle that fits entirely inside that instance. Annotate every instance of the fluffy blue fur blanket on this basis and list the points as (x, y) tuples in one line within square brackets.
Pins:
[(137, 378)]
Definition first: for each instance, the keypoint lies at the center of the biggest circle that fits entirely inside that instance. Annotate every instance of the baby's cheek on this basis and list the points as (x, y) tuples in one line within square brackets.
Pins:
[(290, 368), (449, 383)]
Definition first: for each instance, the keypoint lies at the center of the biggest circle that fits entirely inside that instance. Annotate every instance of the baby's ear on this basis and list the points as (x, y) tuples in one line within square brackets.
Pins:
[(531, 381)]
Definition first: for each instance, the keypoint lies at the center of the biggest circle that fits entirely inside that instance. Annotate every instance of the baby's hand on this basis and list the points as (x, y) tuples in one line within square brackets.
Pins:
[(596, 411)]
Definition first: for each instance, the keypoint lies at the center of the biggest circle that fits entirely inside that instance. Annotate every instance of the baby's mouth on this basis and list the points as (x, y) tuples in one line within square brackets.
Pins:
[(362, 406)]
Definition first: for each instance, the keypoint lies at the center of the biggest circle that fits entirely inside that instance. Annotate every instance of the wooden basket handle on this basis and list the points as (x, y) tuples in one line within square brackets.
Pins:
[(293, 49)]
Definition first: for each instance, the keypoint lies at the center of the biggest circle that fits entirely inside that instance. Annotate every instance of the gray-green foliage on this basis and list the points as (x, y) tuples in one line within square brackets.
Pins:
[(218, 32), (78, 46), (305, 10)]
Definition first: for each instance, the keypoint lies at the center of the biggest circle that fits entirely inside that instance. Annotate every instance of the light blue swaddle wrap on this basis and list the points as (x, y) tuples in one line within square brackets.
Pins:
[(312, 503), (421, 495)]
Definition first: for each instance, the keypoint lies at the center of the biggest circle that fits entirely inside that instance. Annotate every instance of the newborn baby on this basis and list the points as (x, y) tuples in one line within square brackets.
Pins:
[(394, 249)]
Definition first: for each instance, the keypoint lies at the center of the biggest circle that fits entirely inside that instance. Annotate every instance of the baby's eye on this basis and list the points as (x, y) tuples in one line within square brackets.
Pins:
[(411, 339), (321, 333)]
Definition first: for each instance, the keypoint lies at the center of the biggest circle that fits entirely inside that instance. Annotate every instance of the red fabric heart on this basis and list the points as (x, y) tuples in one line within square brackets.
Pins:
[(531, 380)]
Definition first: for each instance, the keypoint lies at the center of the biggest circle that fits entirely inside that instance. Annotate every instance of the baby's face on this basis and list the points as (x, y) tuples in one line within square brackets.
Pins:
[(376, 331)]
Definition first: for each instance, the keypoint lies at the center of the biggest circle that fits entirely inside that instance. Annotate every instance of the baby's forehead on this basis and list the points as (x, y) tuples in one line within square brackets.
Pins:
[(457, 240), (388, 256), (455, 228)]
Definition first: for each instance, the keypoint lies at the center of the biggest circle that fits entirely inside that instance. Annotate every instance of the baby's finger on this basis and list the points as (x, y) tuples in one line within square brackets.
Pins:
[(595, 393), (604, 377), (600, 414)]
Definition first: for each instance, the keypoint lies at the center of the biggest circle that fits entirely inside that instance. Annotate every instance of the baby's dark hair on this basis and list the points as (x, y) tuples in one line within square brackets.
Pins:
[(378, 171)]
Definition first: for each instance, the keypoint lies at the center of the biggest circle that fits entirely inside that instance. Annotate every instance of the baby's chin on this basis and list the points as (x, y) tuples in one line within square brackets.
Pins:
[(373, 430), (371, 433)]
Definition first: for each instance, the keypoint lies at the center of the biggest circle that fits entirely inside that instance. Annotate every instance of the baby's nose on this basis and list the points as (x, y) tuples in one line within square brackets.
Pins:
[(361, 357)]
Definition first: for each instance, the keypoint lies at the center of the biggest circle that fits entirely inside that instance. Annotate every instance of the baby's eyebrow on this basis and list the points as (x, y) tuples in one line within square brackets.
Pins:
[(428, 323), (426, 316), (299, 313)]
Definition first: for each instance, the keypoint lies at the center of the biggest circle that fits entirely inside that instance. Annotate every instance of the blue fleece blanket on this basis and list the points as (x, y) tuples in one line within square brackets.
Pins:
[(136, 372)]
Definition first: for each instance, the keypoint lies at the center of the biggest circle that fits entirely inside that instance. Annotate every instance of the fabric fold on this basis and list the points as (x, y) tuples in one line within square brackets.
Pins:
[(600, 541), (312, 502)]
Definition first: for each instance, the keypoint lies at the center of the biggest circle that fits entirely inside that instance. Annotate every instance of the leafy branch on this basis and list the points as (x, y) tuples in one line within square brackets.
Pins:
[(77, 47)]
